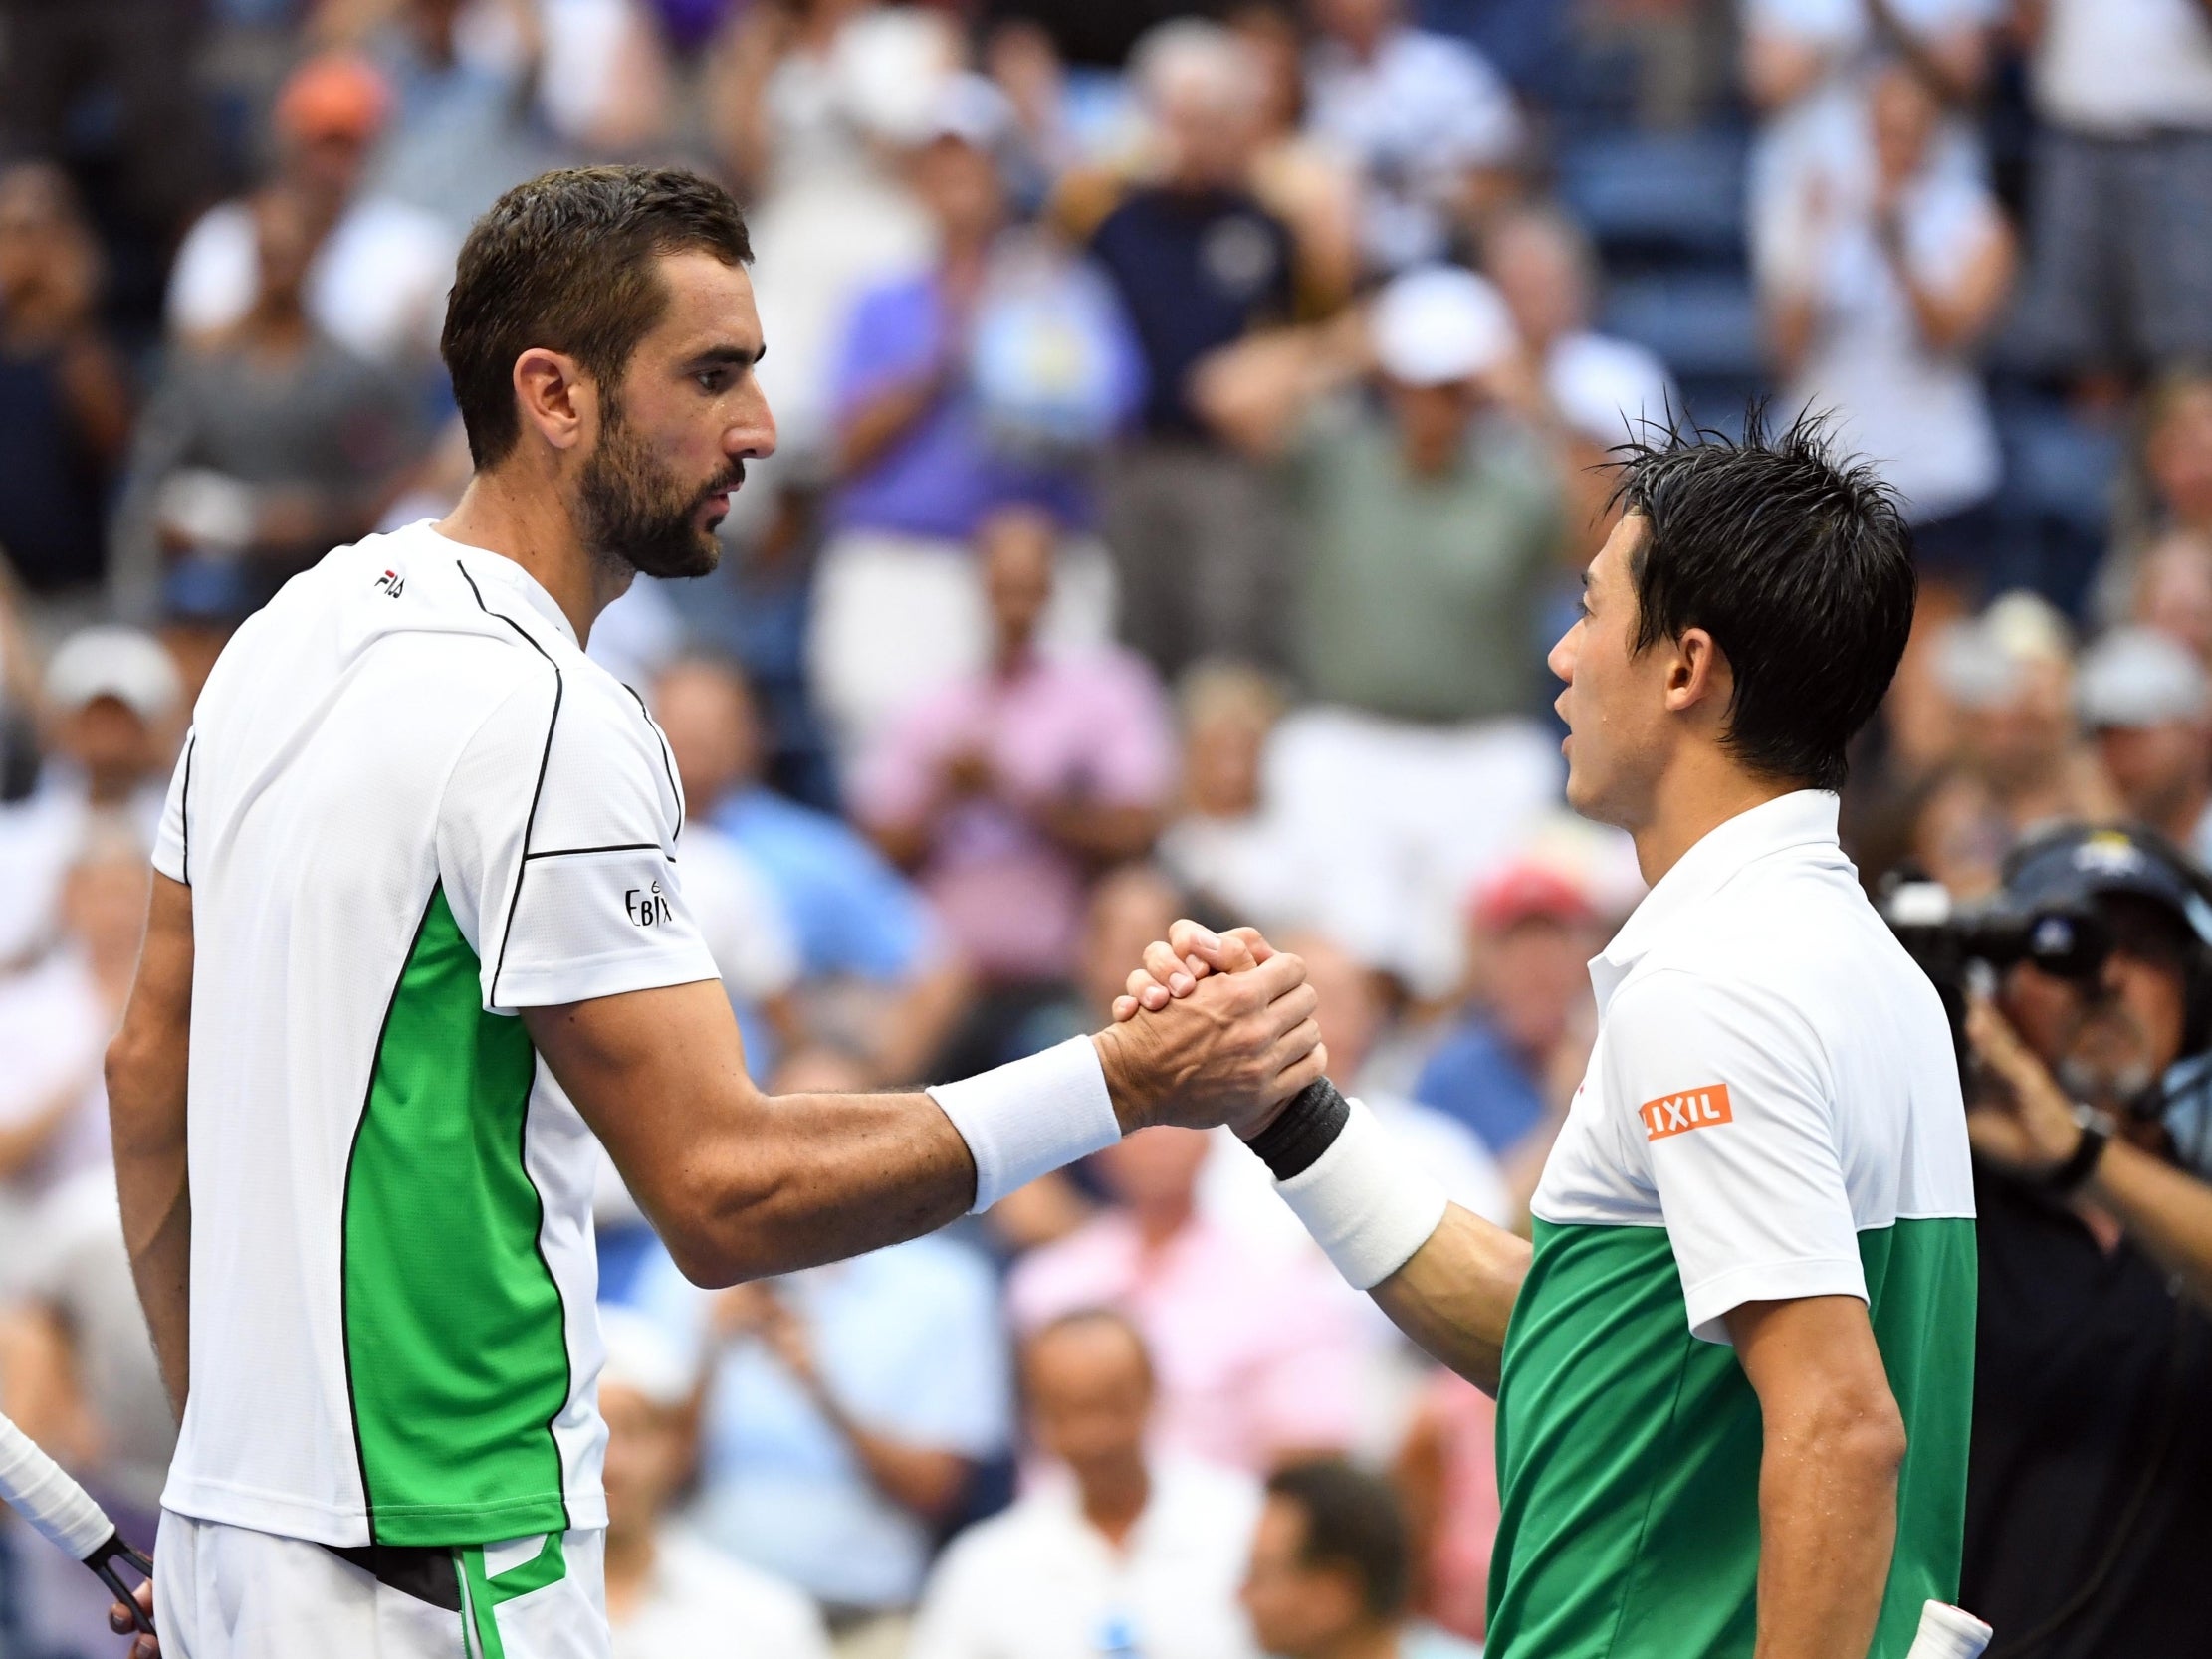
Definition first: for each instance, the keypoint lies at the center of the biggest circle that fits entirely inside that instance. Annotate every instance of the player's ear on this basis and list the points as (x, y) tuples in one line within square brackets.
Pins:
[(1698, 673), (554, 397)]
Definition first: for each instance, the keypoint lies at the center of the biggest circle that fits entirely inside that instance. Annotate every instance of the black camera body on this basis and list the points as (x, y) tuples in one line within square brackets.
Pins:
[(1967, 948)]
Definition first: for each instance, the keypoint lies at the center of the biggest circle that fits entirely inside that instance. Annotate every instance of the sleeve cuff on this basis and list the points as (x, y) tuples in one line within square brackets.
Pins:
[(1711, 1300)]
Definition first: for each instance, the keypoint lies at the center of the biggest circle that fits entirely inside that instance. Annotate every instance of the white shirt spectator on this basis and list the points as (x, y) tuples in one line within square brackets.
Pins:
[(2120, 68), (700, 1601), (1921, 415), (1417, 115), (376, 286), (75, 1264), (1039, 1582), (53, 1028)]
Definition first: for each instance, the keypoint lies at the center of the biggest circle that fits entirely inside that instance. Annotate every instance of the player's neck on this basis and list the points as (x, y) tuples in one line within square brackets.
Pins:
[(1695, 797), (525, 518)]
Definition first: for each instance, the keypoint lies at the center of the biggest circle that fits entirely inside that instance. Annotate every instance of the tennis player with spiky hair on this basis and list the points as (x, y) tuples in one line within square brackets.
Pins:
[(418, 935), (1734, 1376)]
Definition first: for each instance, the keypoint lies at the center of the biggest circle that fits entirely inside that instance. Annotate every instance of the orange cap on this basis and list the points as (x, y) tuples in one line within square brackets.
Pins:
[(335, 95)]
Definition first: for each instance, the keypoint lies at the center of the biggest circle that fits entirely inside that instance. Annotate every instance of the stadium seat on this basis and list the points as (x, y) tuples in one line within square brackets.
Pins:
[(1646, 195), (1704, 324)]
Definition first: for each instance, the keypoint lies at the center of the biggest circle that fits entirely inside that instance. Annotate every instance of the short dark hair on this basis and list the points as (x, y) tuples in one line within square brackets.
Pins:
[(565, 263), (1353, 1524), (1795, 559)]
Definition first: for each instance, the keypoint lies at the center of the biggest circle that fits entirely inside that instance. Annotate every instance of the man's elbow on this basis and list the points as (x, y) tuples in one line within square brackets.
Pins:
[(1861, 1429), (719, 1237), (131, 1070)]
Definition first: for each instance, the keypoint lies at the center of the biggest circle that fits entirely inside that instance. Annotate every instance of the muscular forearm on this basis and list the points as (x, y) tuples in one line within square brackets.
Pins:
[(1827, 1522), (1455, 1294), (2164, 1209)]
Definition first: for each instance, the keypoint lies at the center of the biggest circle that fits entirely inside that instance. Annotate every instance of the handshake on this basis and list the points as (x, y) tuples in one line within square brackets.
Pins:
[(1214, 1028)]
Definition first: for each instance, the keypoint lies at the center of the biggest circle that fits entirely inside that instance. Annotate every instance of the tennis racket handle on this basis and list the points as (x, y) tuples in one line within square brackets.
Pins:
[(42, 1491), (1949, 1632)]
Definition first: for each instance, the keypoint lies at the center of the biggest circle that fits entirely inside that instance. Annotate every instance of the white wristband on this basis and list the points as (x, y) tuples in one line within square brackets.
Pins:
[(1366, 1204), (1031, 1117)]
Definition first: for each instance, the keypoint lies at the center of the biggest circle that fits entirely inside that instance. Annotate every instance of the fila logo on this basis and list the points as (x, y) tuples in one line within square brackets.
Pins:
[(391, 584), (1678, 1114), (648, 908)]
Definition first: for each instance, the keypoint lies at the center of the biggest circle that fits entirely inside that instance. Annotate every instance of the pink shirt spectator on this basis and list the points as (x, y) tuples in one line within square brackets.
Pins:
[(1252, 1363), (1094, 728)]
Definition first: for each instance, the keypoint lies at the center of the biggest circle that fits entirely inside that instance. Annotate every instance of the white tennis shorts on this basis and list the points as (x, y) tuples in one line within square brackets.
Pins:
[(225, 1592)]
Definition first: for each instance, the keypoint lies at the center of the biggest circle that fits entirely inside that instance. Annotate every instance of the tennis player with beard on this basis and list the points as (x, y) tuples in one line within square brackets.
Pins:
[(418, 933)]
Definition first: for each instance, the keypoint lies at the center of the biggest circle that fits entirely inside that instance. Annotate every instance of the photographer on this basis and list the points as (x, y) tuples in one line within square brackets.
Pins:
[(2089, 1507)]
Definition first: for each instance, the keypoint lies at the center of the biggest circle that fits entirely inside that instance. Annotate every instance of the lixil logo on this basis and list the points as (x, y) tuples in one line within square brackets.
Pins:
[(648, 907), (1678, 1114)]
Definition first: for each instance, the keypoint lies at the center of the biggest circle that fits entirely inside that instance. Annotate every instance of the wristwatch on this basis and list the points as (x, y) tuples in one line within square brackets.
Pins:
[(2098, 1129)]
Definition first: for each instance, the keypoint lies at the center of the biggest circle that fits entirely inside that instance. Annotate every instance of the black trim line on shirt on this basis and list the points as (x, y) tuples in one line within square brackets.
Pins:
[(345, 1279), (185, 809), (612, 847), (668, 760), (514, 898), (514, 903)]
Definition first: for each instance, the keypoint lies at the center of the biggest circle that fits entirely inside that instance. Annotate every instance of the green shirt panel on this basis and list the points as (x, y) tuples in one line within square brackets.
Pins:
[(1629, 1450), (1419, 594)]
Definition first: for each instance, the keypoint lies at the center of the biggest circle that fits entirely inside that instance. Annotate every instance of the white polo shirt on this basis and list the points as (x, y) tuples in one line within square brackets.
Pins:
[(1039, 1582), (1771, 1112), (410, 806)]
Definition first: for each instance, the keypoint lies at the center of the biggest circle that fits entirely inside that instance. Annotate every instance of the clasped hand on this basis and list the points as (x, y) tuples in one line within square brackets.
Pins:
[(1214, 1028)]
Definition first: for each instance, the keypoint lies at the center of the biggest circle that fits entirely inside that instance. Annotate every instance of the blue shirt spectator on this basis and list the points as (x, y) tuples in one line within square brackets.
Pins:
[(907, 1342), (1476, 1077), (852, 913)]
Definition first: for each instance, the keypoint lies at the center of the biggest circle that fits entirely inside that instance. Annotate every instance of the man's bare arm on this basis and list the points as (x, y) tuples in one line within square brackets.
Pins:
[(740, 1184), (1455, 1294), (145, 1112), (1828, 1477)]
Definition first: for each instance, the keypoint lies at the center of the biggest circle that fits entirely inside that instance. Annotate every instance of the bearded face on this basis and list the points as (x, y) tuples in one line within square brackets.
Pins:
[(633, 509)]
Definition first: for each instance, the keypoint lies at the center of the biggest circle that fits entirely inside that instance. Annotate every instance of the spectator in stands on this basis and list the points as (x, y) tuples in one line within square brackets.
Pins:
[(730, 896), (1007, 791), (2173, 593), (1877, 299), (1118, 1550), (109, 723), (268, 443), (1590, 390), (464, 123), (2147, 706), (2009, 673), (65, 406), (1431, 527), (78, 1374), (848, 1410), (377, 278), (1445, 1472), (1199, 264), (1251, 1365), (1331, 1569), (1433, 126), (113, 72), (668, 1591), (1227, 845), (875, 974), (2166, 495), (1807, 65), (2122, 184), (1301, 177), (928, 446), (1509, 1065)]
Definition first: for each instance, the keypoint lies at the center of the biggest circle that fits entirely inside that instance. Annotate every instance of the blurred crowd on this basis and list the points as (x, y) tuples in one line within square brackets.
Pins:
[(1192, 420)]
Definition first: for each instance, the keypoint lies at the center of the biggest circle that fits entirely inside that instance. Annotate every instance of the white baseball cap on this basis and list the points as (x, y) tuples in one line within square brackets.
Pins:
[(123, 663), (1439, 325), (2138, 677)]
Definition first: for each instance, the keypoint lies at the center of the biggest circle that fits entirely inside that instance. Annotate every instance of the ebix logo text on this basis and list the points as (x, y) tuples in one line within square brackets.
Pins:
[(648, 907)]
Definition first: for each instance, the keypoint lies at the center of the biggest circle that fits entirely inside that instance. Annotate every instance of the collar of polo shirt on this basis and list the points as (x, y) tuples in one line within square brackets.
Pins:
[(1804, 817)]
